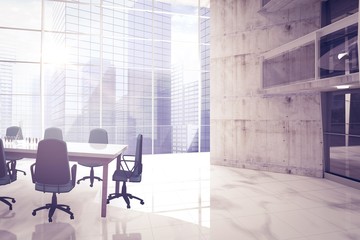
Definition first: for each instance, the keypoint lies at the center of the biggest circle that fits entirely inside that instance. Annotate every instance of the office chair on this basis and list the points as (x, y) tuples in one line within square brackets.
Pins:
[(97, 135), (51, 173), (6, 175), (126, 174), (53, 132), (14, 133)]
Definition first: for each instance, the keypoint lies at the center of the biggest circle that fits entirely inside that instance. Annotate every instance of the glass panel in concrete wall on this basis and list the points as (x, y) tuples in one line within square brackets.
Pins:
[(289, 67), (338, 53), (343, 135), (264, 2)]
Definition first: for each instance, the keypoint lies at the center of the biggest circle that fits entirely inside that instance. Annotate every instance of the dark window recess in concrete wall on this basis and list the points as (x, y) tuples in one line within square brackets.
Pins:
[(334, 10), (339, 52), (264, 2), (289, 67)]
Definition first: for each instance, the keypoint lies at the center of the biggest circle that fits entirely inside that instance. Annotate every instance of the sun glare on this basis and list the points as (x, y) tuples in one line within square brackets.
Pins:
[(53, 54)]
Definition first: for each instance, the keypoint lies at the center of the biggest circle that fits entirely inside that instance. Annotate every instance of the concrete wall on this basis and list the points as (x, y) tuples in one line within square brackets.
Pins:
[(278, 132)]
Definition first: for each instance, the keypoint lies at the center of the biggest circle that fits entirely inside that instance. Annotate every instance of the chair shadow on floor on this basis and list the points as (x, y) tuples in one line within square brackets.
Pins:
[(7, 214), (54, 231), (124, 235), (6, 235)]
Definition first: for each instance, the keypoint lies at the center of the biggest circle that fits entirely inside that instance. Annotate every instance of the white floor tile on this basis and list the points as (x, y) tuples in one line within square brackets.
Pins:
[(186, 198)]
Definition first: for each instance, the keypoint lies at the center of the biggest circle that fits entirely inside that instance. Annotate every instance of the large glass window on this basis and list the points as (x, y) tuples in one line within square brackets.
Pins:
[(342, 134), (338, 52), (131, 67)]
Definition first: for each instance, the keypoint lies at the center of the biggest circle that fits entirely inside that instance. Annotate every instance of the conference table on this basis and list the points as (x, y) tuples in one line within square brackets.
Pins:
[(79, 152)]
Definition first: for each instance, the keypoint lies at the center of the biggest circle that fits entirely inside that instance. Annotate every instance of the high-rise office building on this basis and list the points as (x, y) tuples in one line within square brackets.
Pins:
[(110, 65), (117, 73), (184, 112), (6, 81)]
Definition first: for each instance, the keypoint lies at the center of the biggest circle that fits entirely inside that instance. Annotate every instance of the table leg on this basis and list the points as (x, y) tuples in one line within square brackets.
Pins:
[(117, 183), (104, 190)]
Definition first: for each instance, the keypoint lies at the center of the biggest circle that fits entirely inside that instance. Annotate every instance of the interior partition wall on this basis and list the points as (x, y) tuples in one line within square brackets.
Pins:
[(130, 66)]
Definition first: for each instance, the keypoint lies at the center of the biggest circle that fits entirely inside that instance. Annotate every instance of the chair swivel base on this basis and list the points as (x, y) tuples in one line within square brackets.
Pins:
[(91, 177), (91, 180), (7, 202), (126, 196), (52, 207)]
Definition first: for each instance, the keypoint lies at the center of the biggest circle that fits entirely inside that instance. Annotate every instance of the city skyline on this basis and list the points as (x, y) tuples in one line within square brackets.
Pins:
[(67, 79)]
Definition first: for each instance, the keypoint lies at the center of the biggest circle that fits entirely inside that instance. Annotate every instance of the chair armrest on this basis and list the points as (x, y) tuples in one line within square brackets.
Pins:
[(32, 171), (11, 171), (73, 174), (8, 168)]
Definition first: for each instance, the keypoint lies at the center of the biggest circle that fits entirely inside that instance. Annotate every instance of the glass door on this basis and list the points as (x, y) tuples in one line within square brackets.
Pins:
[(342, 134)]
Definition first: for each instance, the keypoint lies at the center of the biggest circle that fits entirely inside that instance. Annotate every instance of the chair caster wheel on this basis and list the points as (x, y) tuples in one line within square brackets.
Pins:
[(142, 202), (128, 206), (71, 216), (13, 201), (50, 219), (33, 213), (10, 208)]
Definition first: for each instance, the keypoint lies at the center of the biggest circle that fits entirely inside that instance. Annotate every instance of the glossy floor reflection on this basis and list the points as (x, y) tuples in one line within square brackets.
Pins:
[(175, 188), (257, 205), (245, 204)]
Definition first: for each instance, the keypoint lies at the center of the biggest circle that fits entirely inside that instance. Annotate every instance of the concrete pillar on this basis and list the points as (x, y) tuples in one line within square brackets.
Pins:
[(279, 132)]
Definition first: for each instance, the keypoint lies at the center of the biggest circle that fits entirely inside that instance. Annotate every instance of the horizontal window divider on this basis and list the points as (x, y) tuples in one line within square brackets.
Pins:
[(341, 134)]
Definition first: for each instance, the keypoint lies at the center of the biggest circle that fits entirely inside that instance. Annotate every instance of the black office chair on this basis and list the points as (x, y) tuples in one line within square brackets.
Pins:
[(53, 132), (51, 173), (6, 175), (97, 135), (14, 133), (129, 169)]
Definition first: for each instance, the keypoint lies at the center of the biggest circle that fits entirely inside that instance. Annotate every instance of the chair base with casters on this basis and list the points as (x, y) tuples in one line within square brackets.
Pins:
[(92, 177), (128, 169), (60, 180), (125, 195), (6, 200), (7, 179), (53, 206), (97, 135)]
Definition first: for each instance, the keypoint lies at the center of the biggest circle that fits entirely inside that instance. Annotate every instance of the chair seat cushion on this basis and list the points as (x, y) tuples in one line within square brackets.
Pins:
[(5, 180), (90, 164), (124, 176), (53, 188)]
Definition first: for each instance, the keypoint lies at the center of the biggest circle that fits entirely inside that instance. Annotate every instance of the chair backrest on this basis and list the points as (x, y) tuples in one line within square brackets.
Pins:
[(52, 162), (54, 133), (3, 169), (138, 155), (98, 135), (15, 132)]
